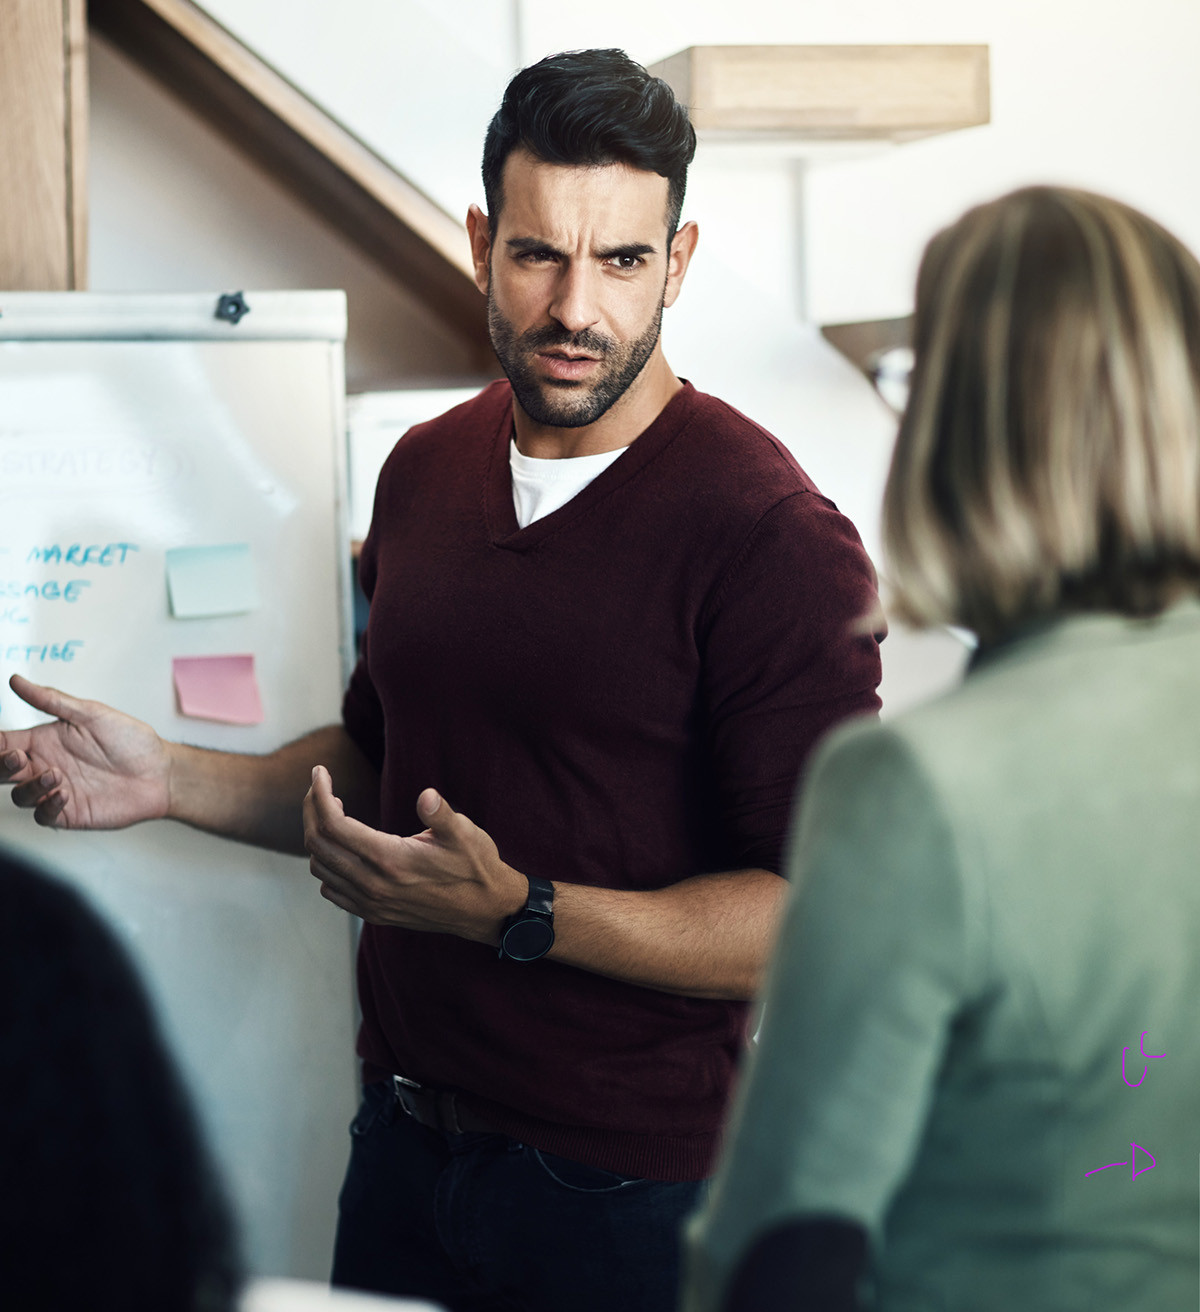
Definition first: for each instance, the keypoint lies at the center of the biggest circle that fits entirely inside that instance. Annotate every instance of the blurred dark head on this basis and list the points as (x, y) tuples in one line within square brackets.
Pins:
[(108, 1201), (591, 107)]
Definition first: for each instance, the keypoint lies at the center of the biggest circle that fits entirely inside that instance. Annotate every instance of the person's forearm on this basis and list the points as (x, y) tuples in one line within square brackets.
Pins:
[(705, 937), (257, 799)]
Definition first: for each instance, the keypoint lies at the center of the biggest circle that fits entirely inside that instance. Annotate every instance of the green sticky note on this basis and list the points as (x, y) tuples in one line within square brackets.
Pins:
[(217, 580)]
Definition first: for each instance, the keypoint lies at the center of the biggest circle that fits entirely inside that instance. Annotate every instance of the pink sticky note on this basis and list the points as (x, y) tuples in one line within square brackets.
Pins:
[(218, 688)]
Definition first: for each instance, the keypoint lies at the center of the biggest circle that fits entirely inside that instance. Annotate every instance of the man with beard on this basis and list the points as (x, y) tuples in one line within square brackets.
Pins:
[(609, 618)]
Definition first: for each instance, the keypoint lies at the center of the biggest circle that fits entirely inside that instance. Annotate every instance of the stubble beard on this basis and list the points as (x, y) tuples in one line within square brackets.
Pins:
[(559, 403)]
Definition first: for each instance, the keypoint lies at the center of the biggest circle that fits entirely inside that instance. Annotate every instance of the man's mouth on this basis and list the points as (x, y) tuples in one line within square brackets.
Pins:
[(567, 366)]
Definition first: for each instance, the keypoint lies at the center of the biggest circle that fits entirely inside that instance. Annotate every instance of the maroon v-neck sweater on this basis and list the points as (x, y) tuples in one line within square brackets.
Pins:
[(621, 694)]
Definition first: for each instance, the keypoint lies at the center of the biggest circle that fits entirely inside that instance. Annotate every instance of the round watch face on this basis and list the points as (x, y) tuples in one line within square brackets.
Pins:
[(528, 939)]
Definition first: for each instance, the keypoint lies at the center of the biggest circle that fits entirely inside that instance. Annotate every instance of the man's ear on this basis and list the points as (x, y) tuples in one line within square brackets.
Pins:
[(479, 229), (683, 246)]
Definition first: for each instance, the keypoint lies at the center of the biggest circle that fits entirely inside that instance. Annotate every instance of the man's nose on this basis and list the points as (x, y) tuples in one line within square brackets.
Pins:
[(576, 301)]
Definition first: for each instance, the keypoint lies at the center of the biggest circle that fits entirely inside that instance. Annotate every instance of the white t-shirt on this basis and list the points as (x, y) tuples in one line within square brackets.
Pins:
[(542, 486)]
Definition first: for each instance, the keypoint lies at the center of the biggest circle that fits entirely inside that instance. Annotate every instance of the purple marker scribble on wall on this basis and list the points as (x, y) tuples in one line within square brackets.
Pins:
[(1134, 1149), (1147, 1058)]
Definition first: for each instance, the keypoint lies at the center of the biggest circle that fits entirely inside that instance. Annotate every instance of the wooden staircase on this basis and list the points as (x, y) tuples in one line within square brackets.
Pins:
[(259, 111)]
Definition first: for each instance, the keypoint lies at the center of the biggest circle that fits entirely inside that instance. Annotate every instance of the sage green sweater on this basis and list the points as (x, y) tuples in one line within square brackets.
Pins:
[(996, 902)]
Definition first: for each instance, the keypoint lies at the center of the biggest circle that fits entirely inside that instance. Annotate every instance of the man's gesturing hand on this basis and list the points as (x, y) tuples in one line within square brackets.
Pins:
[(93, 768), (447, 880)]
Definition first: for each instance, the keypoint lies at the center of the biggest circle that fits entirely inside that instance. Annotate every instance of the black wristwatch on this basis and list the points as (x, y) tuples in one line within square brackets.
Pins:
[(529, 933)]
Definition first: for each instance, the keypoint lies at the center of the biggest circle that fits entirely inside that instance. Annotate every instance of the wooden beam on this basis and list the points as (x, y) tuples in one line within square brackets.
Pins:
[(861, 343), (831, 92), (76, 70), (882, 349), (306, 150), (43, 145)]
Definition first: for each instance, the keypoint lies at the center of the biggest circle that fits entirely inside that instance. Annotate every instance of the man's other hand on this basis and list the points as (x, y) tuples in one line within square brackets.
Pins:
[(92, 768), (449, 879)]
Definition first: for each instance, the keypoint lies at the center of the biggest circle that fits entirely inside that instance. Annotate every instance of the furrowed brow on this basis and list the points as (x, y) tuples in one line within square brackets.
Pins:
[(523, 245), (636, 249)]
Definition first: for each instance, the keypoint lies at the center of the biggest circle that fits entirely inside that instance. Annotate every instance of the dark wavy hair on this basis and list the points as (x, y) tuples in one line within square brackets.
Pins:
[(591, 107), (108, 1200)]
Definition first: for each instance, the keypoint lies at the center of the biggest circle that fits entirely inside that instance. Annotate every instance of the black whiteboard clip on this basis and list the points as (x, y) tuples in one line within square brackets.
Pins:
[(231, 307)]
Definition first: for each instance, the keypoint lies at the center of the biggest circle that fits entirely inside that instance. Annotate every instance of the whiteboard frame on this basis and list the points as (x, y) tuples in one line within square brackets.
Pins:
[(190, 316)]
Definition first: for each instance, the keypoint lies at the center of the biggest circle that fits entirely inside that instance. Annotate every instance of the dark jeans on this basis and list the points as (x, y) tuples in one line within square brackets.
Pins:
[(481, 1223)]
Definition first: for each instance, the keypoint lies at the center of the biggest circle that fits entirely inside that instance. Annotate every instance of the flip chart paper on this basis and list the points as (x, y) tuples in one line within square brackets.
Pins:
[(216, 580), (218, 688)]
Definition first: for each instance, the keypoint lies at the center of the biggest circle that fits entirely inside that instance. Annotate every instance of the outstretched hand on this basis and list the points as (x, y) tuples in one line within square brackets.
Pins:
[(447, 880), (92, 768)]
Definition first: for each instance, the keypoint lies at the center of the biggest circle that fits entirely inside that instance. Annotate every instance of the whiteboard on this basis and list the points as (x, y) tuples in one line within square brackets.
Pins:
[(131, 426)]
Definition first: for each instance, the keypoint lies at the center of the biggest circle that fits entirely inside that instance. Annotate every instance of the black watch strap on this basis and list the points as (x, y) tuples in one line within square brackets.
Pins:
[(529, 933), (541, 897)]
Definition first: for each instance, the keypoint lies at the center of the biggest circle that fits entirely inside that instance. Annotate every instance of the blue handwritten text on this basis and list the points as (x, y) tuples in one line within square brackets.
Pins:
[(113, 553)]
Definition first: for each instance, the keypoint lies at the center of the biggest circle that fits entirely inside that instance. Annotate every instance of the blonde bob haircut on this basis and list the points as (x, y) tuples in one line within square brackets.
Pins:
[(1049, 456)]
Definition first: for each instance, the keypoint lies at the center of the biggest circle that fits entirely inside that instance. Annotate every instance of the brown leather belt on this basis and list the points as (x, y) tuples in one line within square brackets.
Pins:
[(438, 1109)]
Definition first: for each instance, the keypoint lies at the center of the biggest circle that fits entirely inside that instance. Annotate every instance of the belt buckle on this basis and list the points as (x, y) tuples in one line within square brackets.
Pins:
[(442, 1103), (401, 1086)]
